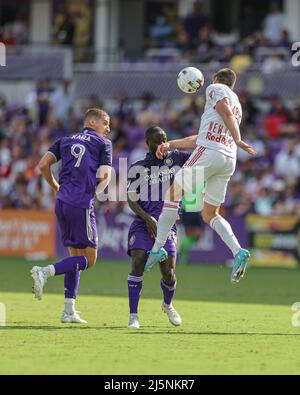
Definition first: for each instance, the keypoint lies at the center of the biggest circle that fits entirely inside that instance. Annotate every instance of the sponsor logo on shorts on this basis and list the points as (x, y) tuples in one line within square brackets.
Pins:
[(132, 240)]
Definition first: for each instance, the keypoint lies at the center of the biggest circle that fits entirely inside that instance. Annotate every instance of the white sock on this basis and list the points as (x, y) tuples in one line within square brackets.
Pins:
[(49, 271), (166, 220), (223, 228), (69, 306)]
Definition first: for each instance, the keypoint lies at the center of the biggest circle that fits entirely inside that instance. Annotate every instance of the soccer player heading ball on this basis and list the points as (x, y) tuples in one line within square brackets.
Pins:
[(82, 154), (215, 150)]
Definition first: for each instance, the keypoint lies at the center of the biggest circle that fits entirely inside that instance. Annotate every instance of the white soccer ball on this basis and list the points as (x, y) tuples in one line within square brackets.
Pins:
[(190, 80)]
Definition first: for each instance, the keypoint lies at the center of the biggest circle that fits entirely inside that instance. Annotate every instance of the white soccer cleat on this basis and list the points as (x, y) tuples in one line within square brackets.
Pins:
[(40, 280), (72, 318), (174, 317), (133, 321)]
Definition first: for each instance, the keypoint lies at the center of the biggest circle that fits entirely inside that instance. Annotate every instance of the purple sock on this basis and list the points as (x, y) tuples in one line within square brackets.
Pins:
[(168, 291), (71, 264), (135, 284), (71, 284)]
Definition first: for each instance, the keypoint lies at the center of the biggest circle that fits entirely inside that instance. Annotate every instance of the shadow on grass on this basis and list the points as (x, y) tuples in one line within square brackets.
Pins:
[(214, 333), (142, 331), (41, 327)]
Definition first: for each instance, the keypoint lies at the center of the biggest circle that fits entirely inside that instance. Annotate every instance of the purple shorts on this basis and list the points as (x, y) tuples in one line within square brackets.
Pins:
[(77, 225), (140, 239)]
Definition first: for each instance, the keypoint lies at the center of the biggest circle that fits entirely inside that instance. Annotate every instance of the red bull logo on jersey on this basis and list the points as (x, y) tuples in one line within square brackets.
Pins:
[(218, 133)]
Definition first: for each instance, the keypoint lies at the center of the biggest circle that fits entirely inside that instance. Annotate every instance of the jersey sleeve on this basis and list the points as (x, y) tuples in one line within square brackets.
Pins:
[(215, 93), (55, 150), (183, 157), (106, 154)]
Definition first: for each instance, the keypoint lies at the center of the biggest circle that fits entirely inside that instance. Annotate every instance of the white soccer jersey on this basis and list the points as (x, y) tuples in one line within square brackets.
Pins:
[(213, 133)]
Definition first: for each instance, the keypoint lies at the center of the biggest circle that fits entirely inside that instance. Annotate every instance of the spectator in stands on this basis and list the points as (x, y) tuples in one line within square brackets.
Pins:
[(250, 110), (277, 117), (19, 29), (44, 93), (65, 33), (183, 43), (285, 41), (205, 48), (62, 101), (195, 21), (263, 204), (161, 33), (123, 107), (274, 24), (287, 164), (292, 126), (6, 36), (225, 54), (249, 24), (272, 63)]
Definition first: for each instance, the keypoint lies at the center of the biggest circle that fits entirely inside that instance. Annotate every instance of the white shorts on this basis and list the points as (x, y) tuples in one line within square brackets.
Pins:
[(218, 169)]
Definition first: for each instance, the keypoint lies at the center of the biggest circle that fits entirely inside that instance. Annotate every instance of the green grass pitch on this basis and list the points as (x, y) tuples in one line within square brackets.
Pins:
[(227, 329)]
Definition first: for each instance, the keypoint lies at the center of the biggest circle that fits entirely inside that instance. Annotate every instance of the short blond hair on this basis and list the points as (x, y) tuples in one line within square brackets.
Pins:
[(226, 77), (95, 113)]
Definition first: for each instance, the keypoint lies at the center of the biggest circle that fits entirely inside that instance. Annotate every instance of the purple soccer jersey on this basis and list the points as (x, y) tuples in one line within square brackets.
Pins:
[(81, 155), (150, 178)]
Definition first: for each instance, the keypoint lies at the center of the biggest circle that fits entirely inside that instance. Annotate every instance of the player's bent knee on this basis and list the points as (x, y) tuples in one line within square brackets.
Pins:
[(138, 267), (168, 276)]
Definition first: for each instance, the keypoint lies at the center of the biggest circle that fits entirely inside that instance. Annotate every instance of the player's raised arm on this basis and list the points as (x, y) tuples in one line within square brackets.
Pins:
[(224, 109), (186, 144), (45, 168)]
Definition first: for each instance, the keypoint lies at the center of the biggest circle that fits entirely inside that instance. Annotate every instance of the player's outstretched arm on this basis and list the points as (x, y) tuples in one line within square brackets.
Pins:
[(45, 168), (223, 108), (186, 144)]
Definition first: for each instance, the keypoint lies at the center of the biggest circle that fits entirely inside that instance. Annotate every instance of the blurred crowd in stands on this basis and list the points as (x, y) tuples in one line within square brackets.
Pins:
[(193, 37), (268, 184)]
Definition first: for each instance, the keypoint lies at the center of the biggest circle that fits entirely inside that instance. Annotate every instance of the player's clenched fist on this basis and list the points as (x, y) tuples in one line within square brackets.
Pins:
[(162, 150)]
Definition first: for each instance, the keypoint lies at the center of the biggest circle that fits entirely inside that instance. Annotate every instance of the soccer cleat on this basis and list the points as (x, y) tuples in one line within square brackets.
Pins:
[(174, 317), (239, 267), (133, 321), (72, 318), (154, 258), (40, 280)]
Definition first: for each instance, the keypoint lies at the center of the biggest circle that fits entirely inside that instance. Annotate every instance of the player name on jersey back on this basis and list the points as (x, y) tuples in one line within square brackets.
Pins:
[(83, 137), (213, 132)]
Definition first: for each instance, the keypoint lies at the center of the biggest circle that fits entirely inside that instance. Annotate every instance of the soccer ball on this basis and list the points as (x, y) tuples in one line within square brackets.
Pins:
[(190, 80)]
